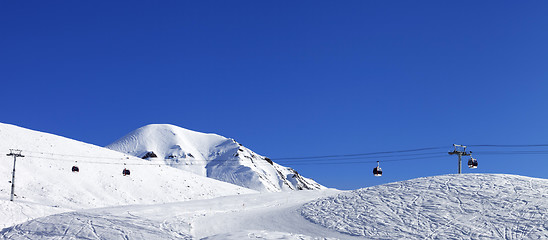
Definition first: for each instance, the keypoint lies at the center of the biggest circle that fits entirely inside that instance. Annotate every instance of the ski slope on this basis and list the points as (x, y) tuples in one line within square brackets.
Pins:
[(21, 211), (467, 206), (45, 183), (251, 216), (211, 155)]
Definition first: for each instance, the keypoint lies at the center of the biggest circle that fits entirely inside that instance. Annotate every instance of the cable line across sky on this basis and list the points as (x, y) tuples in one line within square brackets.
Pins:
[(416, 154)]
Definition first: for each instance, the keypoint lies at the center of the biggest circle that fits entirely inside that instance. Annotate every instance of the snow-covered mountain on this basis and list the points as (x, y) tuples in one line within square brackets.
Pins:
[(211, 155), (161, 202), (45, 183)]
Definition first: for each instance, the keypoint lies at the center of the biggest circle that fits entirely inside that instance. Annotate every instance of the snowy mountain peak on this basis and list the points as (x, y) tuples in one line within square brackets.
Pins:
[(167, 141), (210, 155)]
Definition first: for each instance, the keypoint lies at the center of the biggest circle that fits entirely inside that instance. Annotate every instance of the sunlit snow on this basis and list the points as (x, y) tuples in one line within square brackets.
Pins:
[(469, 206), (45, 183), (161, 202), (213, 156)]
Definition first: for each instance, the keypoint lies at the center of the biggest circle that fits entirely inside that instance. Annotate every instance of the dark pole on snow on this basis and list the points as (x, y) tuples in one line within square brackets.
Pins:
[(15, 153), (460, 154)]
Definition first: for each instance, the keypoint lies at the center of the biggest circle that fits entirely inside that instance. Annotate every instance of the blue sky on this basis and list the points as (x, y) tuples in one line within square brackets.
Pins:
[(289, 79)]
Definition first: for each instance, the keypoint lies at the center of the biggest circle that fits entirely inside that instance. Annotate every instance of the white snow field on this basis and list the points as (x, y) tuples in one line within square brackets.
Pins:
[(161, 202), (211, 155), (45, 184), (467, 206), (250, 216)]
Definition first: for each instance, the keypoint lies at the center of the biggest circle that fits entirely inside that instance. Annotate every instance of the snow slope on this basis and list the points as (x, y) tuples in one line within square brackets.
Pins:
[(471, 206), (21, 211), (45, 183), (251, 216), (210, 155), (467, 206)]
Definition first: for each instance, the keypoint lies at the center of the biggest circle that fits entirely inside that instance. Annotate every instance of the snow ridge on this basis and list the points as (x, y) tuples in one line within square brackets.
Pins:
[(470, 206), (211, 155)]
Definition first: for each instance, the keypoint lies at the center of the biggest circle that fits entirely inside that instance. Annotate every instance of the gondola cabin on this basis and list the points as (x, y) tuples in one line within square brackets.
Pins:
[(75, 167), (125, 172), (473, 163), (377, 171)]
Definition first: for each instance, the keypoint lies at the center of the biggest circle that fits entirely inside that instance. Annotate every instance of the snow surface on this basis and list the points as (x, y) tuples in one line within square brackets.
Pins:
[(467, 206), (45, 184), (168, 203), (471, 206), (251, 216), (211, 155), (20, 211)]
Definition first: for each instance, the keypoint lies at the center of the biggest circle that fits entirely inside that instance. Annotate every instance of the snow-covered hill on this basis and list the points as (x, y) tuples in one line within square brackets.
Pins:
[(250, 216), (210, 155), (467, 206), (45, 183)]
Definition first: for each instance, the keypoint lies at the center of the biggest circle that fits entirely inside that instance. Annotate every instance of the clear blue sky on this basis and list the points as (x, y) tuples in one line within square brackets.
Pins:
[(288, 78)]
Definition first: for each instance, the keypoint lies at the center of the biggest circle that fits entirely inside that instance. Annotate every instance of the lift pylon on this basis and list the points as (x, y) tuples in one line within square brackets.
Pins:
[(15, 153), (460, 150)]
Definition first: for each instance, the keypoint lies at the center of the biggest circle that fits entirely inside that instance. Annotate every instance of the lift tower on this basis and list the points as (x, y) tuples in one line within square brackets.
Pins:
[(15, 153), (460, 150)]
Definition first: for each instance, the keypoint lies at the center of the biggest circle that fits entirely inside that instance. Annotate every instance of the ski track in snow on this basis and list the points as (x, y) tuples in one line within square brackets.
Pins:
[(21, 211), (467, 206), (252, 216)]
